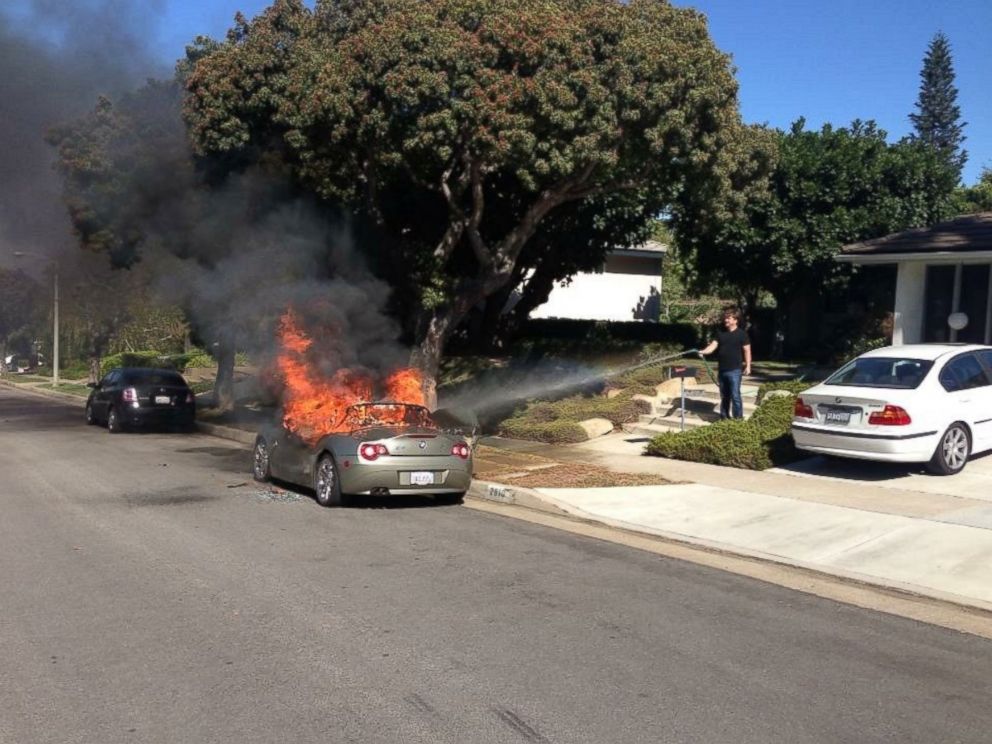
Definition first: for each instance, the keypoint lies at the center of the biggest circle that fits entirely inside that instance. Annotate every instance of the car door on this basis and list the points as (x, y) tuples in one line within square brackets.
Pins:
[(967, 385), (983, 416), (102, 395)]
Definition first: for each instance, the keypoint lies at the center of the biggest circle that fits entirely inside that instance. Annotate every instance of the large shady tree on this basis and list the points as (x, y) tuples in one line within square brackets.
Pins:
[(460, 129)]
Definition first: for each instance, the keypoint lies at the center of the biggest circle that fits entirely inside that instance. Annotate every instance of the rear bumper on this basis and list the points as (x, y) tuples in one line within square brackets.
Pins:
[(916, 447), (394, 479), (162, 416)]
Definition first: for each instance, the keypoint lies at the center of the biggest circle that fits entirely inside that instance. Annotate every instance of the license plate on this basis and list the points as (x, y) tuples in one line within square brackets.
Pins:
[(422, 479), (162, 400), (837, 417)]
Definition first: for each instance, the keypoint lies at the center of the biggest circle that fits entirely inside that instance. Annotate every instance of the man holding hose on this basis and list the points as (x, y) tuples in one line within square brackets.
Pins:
[(733, 349)]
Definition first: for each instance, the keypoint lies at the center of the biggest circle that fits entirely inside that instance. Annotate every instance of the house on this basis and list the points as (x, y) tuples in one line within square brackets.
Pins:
[(627, 287), (943, 279)]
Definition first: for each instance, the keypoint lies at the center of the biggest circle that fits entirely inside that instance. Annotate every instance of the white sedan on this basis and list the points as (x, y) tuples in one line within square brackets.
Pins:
[(927, 403)]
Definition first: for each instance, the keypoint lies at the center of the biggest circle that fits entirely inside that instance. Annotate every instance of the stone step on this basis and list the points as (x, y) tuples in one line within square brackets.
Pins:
[(661, 406), (661, 426)]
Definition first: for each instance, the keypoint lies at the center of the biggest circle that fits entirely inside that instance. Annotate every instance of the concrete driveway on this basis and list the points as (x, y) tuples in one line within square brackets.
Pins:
[(974, 482)]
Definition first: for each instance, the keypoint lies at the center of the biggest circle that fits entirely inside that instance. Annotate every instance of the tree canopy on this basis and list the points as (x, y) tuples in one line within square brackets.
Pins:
[(461, 128), (829, 187)]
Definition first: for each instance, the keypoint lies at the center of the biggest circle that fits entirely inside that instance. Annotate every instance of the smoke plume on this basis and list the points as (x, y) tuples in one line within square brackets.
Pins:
[(55, 59)]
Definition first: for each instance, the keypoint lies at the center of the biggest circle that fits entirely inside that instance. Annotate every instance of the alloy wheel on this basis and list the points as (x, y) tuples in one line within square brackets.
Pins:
[(955, 448), (260, 461)]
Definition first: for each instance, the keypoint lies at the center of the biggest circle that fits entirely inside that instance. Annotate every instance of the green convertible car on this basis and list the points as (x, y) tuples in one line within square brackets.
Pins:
[(410, 455)]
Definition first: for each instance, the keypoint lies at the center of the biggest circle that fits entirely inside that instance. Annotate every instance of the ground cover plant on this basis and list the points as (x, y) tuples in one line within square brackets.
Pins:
[(757, 443), (558, 421)]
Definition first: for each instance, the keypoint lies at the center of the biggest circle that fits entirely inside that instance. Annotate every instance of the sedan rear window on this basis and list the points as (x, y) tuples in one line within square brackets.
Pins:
[(882, 372), (153, 377)]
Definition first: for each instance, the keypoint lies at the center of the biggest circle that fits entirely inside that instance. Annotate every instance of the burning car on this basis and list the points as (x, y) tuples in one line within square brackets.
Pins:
[(377, 449)]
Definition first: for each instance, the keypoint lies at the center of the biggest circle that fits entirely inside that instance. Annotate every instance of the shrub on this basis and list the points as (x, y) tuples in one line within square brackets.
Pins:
[(791, 386), (557, 421), (553, 432), (197, 358), (133, 359), (758, 443), (75, 370)]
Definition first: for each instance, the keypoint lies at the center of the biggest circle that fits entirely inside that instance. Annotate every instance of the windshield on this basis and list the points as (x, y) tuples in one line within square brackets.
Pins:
[(153, 377), (882, 372)]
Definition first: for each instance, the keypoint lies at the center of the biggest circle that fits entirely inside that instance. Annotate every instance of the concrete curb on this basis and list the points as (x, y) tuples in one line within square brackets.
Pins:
[(227, 432), (29, 388)]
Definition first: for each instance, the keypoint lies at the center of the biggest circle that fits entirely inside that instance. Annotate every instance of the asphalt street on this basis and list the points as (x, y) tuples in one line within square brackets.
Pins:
[(151, 592)]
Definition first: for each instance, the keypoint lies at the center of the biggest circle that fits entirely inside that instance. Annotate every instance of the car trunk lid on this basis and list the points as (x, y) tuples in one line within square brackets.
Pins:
[(850, 408)]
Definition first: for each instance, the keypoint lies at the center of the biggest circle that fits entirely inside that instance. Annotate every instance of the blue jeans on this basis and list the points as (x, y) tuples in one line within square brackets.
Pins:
[(730, 393)]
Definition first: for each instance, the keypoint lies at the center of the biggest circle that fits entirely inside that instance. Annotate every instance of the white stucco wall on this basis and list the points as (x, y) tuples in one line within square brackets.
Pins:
[(907, 327), (605, 296)]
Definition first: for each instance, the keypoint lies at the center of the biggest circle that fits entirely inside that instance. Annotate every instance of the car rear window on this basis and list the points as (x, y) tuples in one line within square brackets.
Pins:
[(153, 377), (882, 372)]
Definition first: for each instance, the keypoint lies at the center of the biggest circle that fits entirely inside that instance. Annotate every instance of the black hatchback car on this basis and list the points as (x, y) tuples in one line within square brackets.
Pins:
[(132, 397)]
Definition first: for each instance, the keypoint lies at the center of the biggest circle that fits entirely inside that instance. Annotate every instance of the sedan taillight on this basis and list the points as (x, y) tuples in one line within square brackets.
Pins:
[(190, 398), (802, 410), (461, 450), (890, 416), (371, 451), (130, 395)]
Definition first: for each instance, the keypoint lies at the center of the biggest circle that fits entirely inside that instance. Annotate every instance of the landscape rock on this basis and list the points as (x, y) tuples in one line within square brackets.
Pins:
[(596, 427)]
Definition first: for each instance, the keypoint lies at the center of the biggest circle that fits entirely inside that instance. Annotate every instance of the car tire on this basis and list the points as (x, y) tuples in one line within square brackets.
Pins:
[(90, 418), (952, 452), (260, 467), (326, 484), (114, 425)]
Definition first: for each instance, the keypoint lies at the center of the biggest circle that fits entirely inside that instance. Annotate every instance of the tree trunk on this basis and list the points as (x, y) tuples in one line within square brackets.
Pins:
[(224, 382), (427, 356), (94, 368)]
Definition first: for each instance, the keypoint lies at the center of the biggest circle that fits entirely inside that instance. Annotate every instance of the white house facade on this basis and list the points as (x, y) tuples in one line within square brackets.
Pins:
[(627, 287), (943, 279)]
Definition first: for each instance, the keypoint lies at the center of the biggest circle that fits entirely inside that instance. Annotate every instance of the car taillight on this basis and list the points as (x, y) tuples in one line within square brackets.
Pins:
[(190, 398), (802, 410), (130, 395), (890, 416), (461, 450), (371, 452)]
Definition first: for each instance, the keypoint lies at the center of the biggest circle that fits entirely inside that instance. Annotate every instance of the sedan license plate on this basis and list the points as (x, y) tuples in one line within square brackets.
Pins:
[(162, 400), (837, 417), (422, 479)]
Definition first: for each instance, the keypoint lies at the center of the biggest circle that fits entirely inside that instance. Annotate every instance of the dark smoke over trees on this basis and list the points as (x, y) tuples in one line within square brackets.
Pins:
[(234, 254), (470, 134), (55, 58)]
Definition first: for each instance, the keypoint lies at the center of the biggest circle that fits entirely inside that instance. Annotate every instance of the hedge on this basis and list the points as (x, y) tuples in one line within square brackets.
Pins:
[(793, 387), (757, 443), (134, 359), (682, 335)]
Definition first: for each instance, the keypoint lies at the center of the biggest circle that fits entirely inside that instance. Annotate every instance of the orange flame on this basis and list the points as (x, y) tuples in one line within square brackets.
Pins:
[(406, 386), (314, 405)]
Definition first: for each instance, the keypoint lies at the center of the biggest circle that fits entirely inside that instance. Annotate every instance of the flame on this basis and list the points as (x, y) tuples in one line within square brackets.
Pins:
[(406, 386), (315, 405)]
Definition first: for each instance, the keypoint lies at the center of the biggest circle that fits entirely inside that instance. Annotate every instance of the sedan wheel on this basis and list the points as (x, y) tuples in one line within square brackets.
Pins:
[(260, 461), (326, 483), (113, 422), (952, 453)]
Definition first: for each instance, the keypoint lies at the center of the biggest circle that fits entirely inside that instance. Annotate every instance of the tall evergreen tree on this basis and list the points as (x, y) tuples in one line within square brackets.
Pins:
[(938, 117)]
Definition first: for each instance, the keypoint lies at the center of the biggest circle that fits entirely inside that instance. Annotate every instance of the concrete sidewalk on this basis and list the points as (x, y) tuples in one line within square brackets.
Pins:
[(920, 541)]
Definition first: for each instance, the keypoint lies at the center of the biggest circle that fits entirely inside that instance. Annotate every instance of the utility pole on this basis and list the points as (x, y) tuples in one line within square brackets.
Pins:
[(55, 331)]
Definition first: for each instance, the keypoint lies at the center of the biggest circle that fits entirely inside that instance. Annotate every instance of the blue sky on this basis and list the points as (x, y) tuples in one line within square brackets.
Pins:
[(827, 61)]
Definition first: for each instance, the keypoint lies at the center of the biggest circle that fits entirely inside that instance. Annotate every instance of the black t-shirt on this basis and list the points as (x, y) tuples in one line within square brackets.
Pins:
[(730, 349)]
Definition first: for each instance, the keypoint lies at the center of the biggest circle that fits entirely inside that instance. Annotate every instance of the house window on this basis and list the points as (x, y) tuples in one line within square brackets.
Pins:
[(960, 288)]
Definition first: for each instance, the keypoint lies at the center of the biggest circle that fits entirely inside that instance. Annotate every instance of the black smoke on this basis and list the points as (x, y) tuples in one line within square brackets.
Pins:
[(55, 59)]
